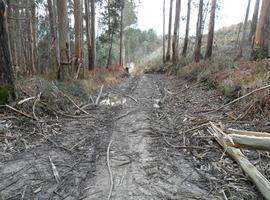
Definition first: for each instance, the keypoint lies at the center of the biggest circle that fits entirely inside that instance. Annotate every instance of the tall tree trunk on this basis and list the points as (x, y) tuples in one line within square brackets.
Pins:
[(209, 46), (78, 45), (198, 43), (31, 39), (34, 33), (184, 53), (240, 54), (121, 37), (164, 36), (262, 33), (53, 46), (109, 61), (254, 20), (168, 54), (63, 28), (175, 44), (7, 86), (88, 34), (93, 34)]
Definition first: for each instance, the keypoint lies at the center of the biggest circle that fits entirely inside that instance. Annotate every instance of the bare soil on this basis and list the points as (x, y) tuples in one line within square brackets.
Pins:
[(153, 153)]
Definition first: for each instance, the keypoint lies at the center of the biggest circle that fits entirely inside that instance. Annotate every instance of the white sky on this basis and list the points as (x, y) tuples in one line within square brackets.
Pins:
[(151, 14)]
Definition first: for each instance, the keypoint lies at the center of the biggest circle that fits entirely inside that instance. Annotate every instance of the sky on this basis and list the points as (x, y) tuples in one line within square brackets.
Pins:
[(150, 14)]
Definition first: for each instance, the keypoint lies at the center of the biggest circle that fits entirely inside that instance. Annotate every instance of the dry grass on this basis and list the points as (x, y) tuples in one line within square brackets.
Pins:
[(233, 80)]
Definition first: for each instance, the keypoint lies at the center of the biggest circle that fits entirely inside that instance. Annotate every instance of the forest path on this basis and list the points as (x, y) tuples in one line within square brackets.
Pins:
[(155, 152), (138, 167)]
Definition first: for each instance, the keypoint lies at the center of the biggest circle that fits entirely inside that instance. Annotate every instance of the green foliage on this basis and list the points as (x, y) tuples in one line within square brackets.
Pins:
[(4, 95), (230, 88), (139, 44)]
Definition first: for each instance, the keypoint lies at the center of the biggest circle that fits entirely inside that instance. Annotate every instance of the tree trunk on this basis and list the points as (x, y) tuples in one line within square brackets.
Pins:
[(109, 61), (164, 37), (198, 44), (34, 34), (53, 49), (31, 39), (175, 44), (184, 53), (88, 35), (121, 37), (168, 54), (209, 47), (93, 34), (63, 28), (78, 45), (240, 54), (254, 20), (7, 86), (260, 50)]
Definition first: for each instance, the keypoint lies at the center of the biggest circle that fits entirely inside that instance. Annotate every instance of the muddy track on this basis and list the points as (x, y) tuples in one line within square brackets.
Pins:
[(139, 170), (146, 153)]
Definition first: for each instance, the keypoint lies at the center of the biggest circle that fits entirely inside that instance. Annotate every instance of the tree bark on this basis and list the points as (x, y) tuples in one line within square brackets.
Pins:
[(7, 86), (175, 44), (31, 39), (53, 46), (168, 54), (240, 54), (121, 37), (88, 34), (63, 72), (184, 53), (164, 37), (77, 20), (109, 61), (254, 20), (260, 50), (209, 46), (198, 43), (93, 34)]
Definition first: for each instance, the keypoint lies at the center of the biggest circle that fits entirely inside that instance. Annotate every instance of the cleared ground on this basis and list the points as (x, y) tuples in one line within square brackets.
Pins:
[(144, 138)]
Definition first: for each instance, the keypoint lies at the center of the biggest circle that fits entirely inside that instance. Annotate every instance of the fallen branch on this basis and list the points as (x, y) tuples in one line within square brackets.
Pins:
[(73, 102), (25, 100), (23, 192), (248, 133), (99, 95), (251, 142), (110, 171), (55, 172), (240, 98), (34, 106), (20, 112), (258, 179), (66, 115)]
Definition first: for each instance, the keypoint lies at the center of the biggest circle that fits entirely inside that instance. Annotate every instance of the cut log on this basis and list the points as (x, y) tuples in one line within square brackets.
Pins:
[(247, 133), (251, 142), (250, 170)]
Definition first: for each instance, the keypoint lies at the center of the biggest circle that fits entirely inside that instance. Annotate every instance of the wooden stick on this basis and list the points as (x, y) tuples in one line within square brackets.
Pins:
[(258, 179), (20, 112), (99, 95), (247, 133), (34, 106), (110, 171), (25, 100), (251, 142), (73, 102), (55, 172), (240, 98)]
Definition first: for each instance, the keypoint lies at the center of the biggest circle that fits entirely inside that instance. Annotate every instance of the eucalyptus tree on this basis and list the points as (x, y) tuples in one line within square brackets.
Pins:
[(7, 87), (261, 42)]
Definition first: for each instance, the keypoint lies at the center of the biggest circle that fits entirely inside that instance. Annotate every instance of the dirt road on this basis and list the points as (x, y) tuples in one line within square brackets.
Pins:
[(131, 148)]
